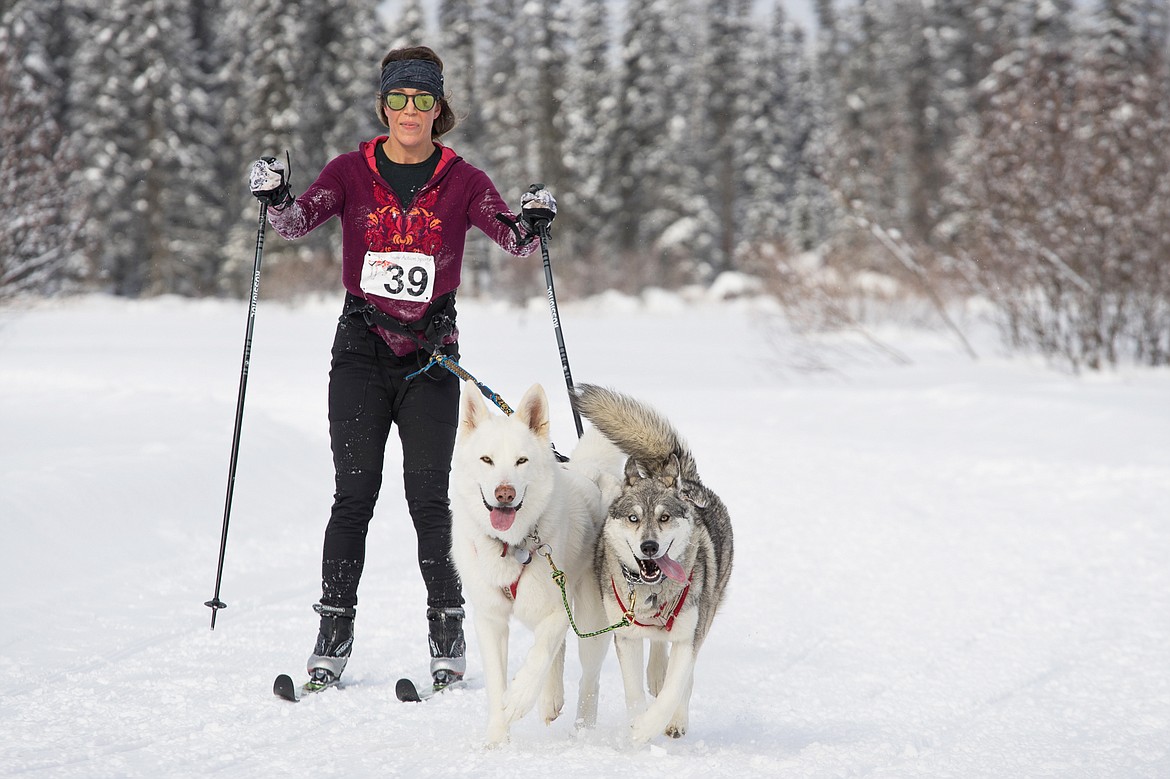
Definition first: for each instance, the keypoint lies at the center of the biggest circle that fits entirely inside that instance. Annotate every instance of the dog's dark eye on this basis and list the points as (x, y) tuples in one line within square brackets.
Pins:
[(486, 459), (522, 460)]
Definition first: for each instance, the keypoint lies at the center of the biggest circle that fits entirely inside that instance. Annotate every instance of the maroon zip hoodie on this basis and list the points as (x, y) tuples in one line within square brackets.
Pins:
[(417, 248)]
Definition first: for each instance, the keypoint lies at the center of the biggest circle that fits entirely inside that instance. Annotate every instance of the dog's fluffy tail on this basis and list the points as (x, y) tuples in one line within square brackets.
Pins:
[(636, 429)]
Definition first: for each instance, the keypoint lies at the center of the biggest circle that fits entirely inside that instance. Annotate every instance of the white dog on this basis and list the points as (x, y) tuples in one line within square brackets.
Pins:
[(513, 504)]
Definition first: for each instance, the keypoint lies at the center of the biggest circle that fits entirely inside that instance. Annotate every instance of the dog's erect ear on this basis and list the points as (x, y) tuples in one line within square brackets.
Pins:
[(533, 411), (632, 472), (472, 409), (672, 477), (669, 475)]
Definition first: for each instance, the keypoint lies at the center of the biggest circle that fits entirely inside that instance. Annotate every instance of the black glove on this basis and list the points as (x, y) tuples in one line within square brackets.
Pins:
[(538, 208), (269, 182)]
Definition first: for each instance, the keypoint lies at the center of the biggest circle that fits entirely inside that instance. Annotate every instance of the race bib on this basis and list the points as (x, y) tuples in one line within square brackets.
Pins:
[(406, 276)]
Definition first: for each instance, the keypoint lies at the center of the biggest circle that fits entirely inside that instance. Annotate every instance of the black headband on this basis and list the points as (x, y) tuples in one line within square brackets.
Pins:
[(413, 74)]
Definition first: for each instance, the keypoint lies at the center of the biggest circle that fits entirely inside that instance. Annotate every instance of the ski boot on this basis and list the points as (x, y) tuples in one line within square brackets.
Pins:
[(448, 663), (334, 642)]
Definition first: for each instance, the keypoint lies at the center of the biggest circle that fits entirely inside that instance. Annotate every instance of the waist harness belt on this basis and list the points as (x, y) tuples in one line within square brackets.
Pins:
[(428, 332)]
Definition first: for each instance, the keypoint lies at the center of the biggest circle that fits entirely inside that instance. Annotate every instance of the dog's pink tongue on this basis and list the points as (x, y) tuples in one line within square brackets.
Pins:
[(502, 518), (672, 569)]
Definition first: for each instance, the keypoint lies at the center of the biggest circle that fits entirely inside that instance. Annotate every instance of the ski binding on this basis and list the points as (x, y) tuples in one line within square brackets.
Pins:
[(284, 687), (408, 692)]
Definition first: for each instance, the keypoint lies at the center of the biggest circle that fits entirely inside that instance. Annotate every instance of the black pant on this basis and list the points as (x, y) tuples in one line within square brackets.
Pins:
[(368, 393)]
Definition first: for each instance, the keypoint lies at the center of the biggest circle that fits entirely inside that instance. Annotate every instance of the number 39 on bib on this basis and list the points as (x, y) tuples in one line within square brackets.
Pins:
[(406, 276)]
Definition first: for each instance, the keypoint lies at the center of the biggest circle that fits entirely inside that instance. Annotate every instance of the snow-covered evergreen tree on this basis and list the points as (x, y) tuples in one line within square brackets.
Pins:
[(350, 42), (507, 103), (865, 139), (728, 86), (589, 123), (540, 81), (784, 206), (812, 211), (656, 144), (263, 81), (951, 36), (900, 76), (143, 150), (196, 210), (39, 250)]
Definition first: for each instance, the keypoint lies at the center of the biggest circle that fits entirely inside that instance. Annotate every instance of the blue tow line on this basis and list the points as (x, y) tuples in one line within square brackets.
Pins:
[(453, 365)]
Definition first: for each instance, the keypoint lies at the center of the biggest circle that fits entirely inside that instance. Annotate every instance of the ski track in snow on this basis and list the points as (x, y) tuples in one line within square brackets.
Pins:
[(951, 568)]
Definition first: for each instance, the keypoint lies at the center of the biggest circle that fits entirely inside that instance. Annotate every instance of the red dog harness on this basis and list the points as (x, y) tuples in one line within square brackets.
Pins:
[(669, 623), (510, 590)]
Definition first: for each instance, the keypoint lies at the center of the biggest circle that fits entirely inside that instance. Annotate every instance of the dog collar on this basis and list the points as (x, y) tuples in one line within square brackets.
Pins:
[(522, 553)]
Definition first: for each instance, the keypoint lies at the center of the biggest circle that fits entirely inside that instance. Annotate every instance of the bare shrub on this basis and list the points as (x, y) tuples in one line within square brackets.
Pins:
[(1064, 202)]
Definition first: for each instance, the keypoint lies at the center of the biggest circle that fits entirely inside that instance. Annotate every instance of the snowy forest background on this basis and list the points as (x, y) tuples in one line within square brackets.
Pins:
[(1007, 156)]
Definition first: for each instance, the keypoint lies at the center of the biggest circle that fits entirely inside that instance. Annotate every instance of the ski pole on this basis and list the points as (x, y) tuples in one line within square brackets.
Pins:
[(543, 231), (215, 603)]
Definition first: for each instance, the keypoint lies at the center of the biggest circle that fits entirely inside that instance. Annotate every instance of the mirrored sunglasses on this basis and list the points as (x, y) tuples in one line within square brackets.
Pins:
[(396, 101)]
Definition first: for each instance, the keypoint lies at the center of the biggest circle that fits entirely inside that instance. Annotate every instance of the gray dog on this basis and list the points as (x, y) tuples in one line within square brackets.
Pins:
[(664, 554)]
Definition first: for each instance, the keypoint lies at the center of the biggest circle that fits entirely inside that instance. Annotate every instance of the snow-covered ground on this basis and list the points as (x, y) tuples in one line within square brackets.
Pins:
[(950, 568)]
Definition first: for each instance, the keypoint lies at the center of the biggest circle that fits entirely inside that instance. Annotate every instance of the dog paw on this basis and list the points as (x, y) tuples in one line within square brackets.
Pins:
[(516, 704), (645, 728), (551, 709), (552, 701)]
